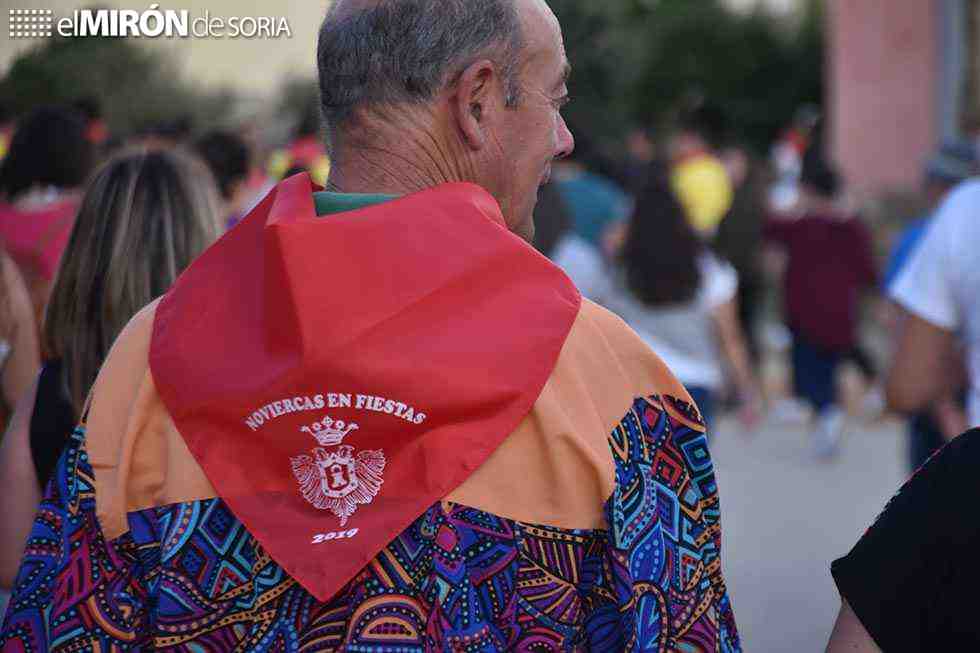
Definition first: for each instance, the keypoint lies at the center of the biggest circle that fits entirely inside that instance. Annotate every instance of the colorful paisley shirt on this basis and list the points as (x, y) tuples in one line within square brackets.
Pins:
[(586, 519)]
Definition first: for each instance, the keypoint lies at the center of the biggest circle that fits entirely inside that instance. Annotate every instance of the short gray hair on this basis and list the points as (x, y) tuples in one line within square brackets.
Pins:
[(405, 51)]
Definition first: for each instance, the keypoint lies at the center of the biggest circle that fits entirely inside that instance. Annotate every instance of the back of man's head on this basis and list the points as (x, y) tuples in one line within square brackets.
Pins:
[(377, 53)]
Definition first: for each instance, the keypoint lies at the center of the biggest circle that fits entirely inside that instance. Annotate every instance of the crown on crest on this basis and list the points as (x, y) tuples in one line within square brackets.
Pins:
[(329, 432)]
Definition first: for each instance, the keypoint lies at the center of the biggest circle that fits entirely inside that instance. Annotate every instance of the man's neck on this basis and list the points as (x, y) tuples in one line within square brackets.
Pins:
[(398, 164), (380, 177)]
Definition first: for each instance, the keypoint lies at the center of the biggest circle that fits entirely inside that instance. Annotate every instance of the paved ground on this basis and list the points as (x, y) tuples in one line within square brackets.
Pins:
[(785, 518)]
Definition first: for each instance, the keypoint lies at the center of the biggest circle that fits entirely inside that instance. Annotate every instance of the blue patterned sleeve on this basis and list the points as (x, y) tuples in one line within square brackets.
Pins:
[(75, 591), (665, 523)]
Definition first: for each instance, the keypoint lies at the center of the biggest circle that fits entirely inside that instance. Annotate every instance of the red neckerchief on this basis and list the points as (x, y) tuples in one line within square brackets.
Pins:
[(36, 238), (334, 377)]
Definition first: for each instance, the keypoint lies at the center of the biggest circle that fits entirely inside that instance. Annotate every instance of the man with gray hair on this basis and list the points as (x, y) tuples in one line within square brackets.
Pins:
[(373, 417), (419, 93)]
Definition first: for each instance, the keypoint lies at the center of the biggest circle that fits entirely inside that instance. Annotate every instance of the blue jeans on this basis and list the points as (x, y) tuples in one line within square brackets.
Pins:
[(814, 373)]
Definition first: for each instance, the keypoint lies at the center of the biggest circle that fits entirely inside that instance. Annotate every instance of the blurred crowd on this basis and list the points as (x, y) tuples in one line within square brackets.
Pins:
[(724, 260)]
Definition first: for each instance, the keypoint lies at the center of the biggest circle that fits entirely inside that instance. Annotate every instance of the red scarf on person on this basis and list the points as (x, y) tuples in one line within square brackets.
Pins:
[(35, 239), (334, 377)]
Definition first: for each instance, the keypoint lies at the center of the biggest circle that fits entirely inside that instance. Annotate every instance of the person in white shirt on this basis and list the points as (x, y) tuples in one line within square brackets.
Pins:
[(555, 238), (939, 291), (681, 299), (582, 263)]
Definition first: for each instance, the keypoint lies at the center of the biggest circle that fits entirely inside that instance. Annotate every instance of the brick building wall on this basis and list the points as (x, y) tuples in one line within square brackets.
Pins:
[(884, 69)]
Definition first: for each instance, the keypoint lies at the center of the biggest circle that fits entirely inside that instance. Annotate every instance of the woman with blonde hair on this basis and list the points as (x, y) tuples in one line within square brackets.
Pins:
[(143, 219)]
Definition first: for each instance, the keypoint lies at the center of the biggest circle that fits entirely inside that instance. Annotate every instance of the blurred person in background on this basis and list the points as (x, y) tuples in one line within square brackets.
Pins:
[(306, 151), (164, 134), (41, 178), (938, 291), (951, 165), (143, 219), (227, 156), (829, 266), (554, 237), (739, 236), (96, 129), (640, 153), (257, 183), (698, 176), (6, 129), (945, 418), (787, 158), (246, 498), (19, 349), (682, 300), (596, 203)]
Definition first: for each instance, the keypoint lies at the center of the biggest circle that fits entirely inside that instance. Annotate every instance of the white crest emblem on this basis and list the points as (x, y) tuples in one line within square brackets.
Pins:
[(336, 479)]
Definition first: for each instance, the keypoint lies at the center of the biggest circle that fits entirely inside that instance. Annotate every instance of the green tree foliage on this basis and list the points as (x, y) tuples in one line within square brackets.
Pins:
[(636, 61), (135, 85)]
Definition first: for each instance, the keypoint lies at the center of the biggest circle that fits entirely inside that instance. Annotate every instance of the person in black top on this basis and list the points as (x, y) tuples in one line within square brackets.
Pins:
[(52, 420), (910, 582), (145, 216)]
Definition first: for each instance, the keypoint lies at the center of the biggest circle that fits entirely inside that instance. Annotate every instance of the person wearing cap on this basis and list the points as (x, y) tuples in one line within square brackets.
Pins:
[(945, 419), (374, 418), (951, 165)]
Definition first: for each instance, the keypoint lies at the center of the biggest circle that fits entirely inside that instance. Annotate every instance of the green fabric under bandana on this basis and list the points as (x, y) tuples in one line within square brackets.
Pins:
[(328, 203)]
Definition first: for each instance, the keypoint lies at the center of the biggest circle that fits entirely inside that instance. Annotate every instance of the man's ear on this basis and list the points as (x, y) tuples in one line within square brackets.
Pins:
[(475, 101)]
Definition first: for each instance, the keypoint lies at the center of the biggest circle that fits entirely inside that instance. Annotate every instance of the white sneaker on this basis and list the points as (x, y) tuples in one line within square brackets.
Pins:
[(789, 410), (873, 404), (827, 433)]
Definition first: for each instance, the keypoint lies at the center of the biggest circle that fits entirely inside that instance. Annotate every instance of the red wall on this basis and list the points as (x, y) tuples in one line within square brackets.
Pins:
[(882, 80)]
